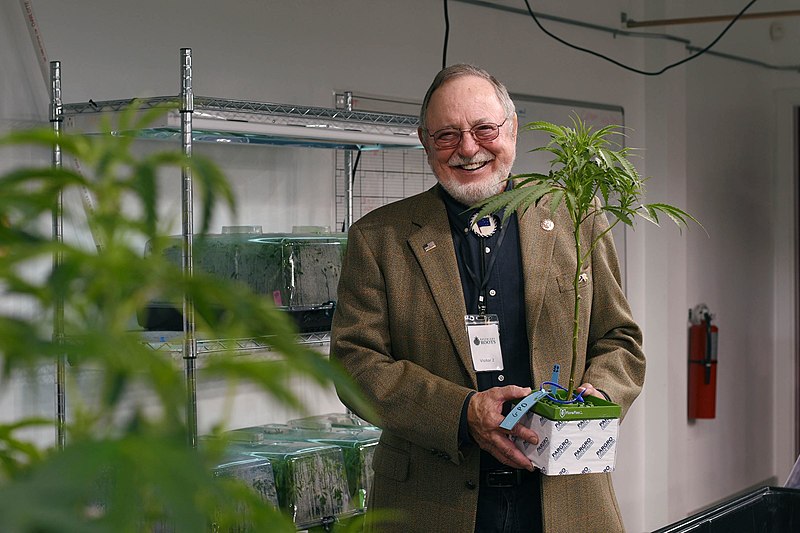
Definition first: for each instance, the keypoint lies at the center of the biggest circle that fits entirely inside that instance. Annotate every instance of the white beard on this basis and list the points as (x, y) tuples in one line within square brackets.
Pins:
[(477, 191), (472, 193)]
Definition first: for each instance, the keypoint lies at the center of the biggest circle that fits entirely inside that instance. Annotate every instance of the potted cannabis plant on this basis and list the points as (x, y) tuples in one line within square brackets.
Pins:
[(589, 174), (125, 465)]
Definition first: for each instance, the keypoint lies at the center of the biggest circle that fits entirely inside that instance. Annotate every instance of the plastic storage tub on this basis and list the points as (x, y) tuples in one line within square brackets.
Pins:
[(357, 444), (765, 510), (299, 273), (310, 478), (255, 472)]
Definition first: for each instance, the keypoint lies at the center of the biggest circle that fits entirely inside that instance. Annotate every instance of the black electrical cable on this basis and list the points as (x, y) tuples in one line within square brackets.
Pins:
[(355, 168), (352, 182), (644, 72), (446, 34), (601, 56)]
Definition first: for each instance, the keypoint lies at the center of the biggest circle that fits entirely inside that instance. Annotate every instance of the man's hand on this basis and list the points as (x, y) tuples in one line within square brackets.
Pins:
[(591, 391), (484, 415)]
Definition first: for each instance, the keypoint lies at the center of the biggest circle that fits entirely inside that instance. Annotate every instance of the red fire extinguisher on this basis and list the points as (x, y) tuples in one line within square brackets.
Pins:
[(702, 363)]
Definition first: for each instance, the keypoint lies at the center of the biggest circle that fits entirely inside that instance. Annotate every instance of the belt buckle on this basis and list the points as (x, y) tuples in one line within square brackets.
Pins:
[(501, 479)]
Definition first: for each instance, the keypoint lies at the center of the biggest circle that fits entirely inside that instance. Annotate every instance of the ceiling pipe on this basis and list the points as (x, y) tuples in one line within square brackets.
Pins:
[(630, 23)]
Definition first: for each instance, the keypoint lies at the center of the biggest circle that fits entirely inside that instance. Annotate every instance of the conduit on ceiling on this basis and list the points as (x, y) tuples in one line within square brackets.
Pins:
[(617, 32), (630, 23)]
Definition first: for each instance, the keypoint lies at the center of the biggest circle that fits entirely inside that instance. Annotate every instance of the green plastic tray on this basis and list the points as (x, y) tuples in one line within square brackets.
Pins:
[(592, 409)]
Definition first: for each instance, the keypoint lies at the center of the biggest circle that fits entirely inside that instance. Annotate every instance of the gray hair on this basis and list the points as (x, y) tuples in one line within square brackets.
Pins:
[(457, 71)]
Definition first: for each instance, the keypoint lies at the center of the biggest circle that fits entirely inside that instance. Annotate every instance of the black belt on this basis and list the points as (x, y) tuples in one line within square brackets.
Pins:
[(504, 478)]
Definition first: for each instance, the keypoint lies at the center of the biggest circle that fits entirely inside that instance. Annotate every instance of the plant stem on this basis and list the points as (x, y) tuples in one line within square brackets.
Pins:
[(576, 315)]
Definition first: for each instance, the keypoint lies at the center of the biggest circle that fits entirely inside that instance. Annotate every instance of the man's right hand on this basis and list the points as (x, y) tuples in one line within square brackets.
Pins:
[(484, 415)]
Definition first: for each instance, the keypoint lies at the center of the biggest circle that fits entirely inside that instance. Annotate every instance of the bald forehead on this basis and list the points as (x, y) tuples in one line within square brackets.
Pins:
[(467, 97)]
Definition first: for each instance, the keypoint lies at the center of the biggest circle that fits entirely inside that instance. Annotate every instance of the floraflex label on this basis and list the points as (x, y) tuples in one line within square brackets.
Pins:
[(571, 446)]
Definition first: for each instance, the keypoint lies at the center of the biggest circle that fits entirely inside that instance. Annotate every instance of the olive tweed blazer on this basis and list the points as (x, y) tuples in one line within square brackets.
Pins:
[(399, 331)]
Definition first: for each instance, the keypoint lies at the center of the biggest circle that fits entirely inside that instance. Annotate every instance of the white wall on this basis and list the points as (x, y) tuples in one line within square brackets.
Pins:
[(23, 103), (707, 129)]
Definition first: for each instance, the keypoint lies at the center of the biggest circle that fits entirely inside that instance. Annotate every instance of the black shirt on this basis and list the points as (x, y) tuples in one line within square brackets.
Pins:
[(504, 290)]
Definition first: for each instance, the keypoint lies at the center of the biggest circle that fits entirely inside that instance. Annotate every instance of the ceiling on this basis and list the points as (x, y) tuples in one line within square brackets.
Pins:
[(772, 41)]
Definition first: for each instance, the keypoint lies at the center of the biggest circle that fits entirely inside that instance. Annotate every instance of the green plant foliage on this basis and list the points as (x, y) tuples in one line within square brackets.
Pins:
[(126, 466), (589, 173)]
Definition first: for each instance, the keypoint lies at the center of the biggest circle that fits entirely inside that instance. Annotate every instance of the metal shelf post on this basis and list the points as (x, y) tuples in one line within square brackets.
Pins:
[(56, 120), (190, 339), (349, 171)]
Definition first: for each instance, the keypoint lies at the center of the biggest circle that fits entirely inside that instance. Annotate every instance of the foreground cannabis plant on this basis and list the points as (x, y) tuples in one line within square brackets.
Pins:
[(126, 465)]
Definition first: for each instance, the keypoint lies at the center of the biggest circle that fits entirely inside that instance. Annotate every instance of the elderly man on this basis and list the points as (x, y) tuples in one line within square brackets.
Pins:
[(418, 274)]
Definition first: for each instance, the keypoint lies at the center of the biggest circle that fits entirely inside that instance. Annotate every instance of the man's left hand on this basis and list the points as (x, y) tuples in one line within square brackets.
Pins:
[(591, 391)]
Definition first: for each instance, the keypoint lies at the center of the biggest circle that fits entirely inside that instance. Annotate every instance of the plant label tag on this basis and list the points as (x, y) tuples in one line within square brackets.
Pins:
[(484, 342)]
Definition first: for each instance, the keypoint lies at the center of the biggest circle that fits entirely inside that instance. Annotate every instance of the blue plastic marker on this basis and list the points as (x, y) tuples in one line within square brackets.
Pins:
[(554, 379), (521, 408), (529, 401)]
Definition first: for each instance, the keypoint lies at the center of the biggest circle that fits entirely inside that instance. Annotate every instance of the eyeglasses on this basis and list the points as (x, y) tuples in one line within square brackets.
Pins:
[(451, 137)]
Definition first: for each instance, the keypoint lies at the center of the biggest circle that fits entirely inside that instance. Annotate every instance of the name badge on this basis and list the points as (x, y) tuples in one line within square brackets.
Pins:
[(484, 342)]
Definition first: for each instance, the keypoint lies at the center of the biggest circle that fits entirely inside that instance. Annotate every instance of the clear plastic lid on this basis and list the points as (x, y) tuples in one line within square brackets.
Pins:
[(247, 230)]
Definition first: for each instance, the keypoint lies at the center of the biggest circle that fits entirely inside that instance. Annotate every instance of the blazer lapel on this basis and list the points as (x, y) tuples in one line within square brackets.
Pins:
[(537, 240), (432, 244)]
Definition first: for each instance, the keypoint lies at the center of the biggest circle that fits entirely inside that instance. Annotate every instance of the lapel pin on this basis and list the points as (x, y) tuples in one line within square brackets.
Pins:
[(547, 224), (430, 246), (484, 227)]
